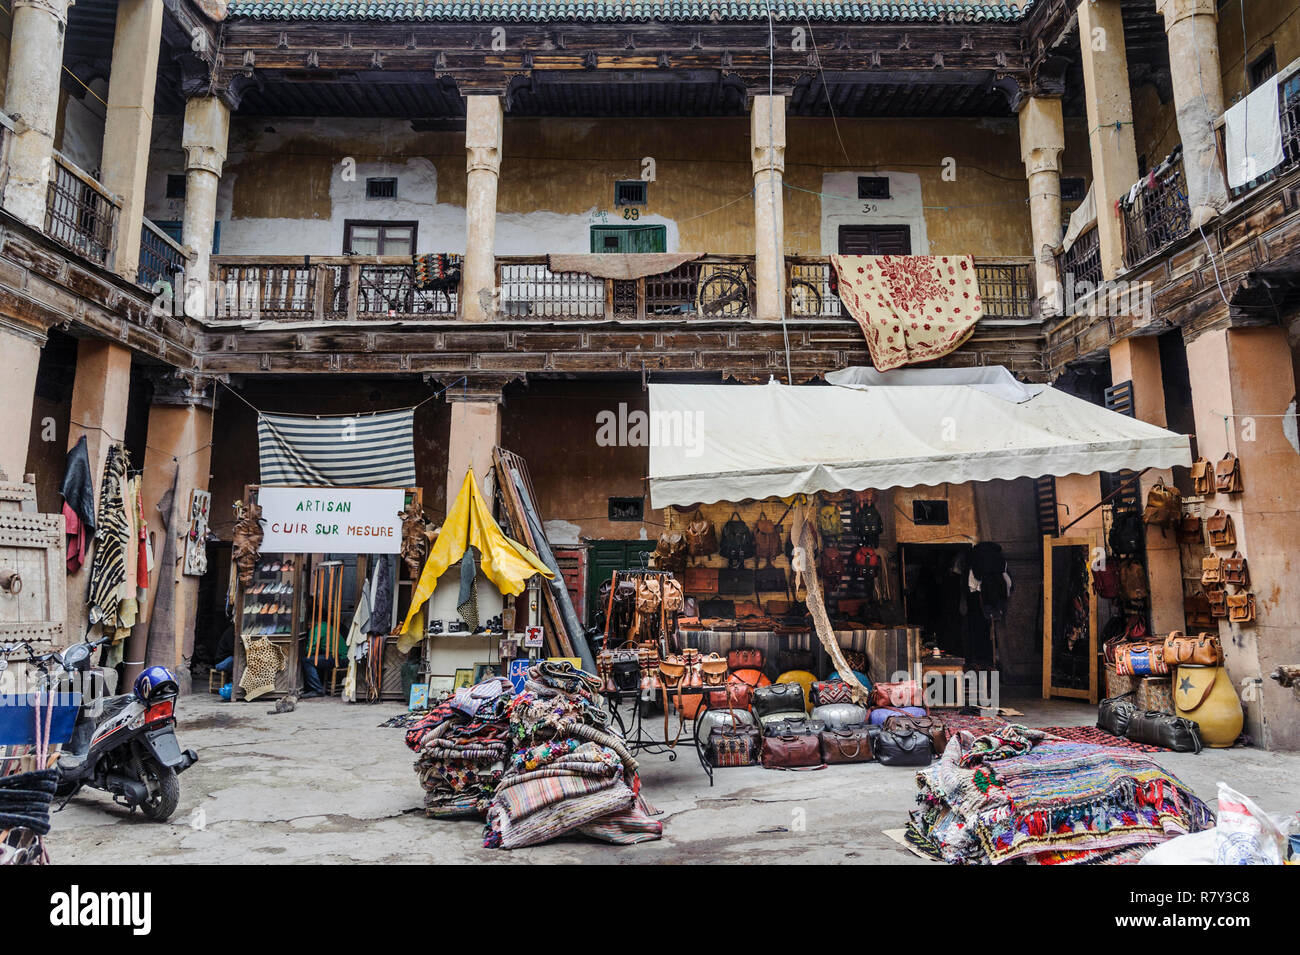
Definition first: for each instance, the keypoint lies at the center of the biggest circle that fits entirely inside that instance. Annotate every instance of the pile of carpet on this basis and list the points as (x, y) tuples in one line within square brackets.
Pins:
[(536, 765), (1019, 795)]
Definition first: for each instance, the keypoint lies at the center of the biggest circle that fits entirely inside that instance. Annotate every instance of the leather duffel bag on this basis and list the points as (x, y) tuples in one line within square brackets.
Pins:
[(724, 718), (792, 752), (1114, 715), (733, 746), (839, 715), (929, 725), (1161, 729), (793, 724), (824, 692), (910, 748), (1204, 650), (778, 698), (849, 745)]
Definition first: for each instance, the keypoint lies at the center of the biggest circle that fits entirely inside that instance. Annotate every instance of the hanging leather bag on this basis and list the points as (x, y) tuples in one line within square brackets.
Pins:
[(737, 541), (625, 667), (1164, 505), (770, 580), (767, 538), (1227, 474), (1189, 530), (1133, 580), (1126, 533), (1196, 613), (852, 744), (829, 522), (1202, 477), (831, 564), (647, 596), (1235, 571), (701, 540), (735, 581), (1161, 729), (1222, 532), (1218, 600), (670, 552), (1211, 571), (1203, 650), (1241, 608), (1105, 581), (700, 581)]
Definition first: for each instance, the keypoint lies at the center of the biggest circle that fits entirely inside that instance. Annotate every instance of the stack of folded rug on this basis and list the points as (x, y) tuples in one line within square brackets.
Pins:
[(567, 773), (1021, 795)]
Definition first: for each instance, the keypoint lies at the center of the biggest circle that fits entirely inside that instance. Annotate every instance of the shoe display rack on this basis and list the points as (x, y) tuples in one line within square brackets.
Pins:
[(271, 607)]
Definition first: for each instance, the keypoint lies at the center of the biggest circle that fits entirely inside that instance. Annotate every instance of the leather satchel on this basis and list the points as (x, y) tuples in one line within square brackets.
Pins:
[(767, 538), (1202, 477), (1218, 600), (733, 746), (1114, 715), (670, 552), (701, 581), (1211, 571), (1235, 571), (1222, 533), (906, 693), (713, 670), (792, 752), (931, 727), (769, 580), (1164, 506), (839, 715), (745, 658), (911, 748), (701, 540), (1141, 659), (1161, 729), (1241, 608), (794, 725), (735, 581), (851, 744), (717, 608), (825, 692), (1227, 475), (1189, 530), (1203, 650), (778, 698), (1133, 580), (1196, 612)]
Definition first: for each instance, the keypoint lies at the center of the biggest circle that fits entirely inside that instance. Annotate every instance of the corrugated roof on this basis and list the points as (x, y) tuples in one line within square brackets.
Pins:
[(854, 11)]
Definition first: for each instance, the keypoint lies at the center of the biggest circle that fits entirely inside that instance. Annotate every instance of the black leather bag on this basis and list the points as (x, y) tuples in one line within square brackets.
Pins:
[(777, 698), (1160, 729), (794, 726), (1114, 715), (787, 660), (901, 749), (736, 581), (770, 580), (717, 609)]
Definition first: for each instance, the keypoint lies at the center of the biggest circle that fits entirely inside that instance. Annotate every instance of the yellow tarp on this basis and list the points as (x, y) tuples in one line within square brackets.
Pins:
[(505, 562)]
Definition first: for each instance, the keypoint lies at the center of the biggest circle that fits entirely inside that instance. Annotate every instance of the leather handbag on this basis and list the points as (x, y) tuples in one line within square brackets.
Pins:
[(748, 608), (767, 538), (1227, 475), (770, 580), (1196, 613), (906, 693), (1241, 608), (1218, 601), (735, 581), (730, 746), (1141, 659), (713, 670), (1235, 570), (829, 521), (825, 692), (625, 667), (792, 752), (910, 748), (1114, 715), (1222, 533), (931, 727), (1211, 571), (739, 690), (1133, 580), (1202, 477), (741, 658), (670, 552), (1105, 582), (1202, 650), (717, 608), (1161, 729), (701, 540), (1190, 530), (831, 563), (700, 581), (795, 724), (839, 715), (1164, 506), (851, 744), (778, 698)]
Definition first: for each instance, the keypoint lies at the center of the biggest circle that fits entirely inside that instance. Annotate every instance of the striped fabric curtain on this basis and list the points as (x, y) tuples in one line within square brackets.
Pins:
[(338, 451)]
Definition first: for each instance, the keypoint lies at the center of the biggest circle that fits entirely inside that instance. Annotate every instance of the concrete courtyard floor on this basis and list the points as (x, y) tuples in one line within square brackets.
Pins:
[(327, 784)]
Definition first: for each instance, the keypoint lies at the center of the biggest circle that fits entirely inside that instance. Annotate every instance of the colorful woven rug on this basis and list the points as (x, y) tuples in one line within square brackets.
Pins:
[(975, 725), (1098, 737)]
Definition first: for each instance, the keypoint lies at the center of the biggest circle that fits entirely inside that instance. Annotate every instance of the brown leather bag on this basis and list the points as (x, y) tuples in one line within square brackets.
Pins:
[(671, 598), (850, 745), (670, 552), (1241, 608), (713, 670), (701, 539), (1218, 600), (1235, 571), (745, 658), (1211, 571), (647, 596), (792, 752), (1133, 580), (1202, 477), (767, 538), (1189, 530), (1222, 532), (1203, 650), (1196, 612), (1164, 505), (1227, 475), (700, 581)]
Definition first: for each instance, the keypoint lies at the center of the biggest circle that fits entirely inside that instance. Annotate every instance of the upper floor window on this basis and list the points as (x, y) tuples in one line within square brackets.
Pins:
[(381, 187), (630, 192), (873, 187), (1262, 68), (366, 237)]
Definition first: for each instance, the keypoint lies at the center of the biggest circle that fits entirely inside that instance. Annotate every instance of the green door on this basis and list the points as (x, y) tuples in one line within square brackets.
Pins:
[(629, 238), (605, 557)]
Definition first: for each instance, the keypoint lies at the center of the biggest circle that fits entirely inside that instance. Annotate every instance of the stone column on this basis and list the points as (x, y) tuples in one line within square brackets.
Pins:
[(1138, 360), (32, 102), (484, 120), (129, 121), (1042, 140), (179, 439), (1110, 121), (475, 430), (101, 391), (1247, 375), (207, 128), (1193, 31), (20, 354), (767, 149)]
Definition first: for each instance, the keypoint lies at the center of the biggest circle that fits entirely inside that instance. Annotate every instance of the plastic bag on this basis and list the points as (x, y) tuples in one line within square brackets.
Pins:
[(1246, 835)]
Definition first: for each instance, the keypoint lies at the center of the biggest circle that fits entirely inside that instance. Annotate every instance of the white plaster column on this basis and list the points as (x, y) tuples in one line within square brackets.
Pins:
[(206, 131), (128, 123), (1110, 121), (20, 354), (32, 103), (1042, 140), (1192, 27), (484, 120), (767, 149)]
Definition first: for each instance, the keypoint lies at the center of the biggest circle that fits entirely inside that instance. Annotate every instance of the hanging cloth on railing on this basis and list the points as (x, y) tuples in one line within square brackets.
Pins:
[(1081, 220), (1252, 135), (375, 450)]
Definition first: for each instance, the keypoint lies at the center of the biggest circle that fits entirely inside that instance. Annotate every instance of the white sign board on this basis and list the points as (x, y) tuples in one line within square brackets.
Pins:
[(331, 520)]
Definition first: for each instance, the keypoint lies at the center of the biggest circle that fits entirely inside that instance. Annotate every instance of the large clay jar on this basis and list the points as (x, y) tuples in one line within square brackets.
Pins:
[(1205, 696)]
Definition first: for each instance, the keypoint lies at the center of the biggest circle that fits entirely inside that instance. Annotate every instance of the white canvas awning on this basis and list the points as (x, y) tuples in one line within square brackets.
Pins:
[(869, 429)]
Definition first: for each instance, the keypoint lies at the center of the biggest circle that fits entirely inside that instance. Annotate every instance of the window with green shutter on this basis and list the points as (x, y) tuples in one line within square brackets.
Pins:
[(629, 238)]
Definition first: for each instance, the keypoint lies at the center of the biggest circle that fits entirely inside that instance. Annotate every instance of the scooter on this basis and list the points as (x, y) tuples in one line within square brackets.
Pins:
[(124, 745)]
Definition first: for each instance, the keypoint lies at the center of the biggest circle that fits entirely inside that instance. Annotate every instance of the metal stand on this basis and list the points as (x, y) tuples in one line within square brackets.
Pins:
[(641, 740)]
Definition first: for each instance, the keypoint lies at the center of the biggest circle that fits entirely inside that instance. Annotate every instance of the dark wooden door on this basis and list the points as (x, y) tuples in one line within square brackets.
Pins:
[(605, 557), (875, 240)]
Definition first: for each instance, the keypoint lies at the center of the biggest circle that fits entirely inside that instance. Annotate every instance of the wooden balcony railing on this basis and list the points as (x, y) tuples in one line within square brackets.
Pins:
[(162, 258), (80, 213), (1159, 214)]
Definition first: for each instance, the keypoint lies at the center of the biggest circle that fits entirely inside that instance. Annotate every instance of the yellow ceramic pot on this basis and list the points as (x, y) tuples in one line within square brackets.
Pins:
[(1205, 696)]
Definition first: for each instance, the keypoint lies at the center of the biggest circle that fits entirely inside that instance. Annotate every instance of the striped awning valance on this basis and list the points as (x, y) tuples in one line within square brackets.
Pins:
[(375, 450)]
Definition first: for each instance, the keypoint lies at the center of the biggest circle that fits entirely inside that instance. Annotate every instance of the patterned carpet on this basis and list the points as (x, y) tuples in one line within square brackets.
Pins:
[(1090, 734)]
